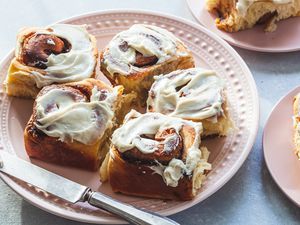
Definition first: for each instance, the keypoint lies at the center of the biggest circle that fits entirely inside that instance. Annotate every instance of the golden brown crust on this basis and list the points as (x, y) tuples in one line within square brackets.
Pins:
[(266, 12), (222, 127), (20, 81), (140, 82), (134, 176), (39, 145), (140, 180)]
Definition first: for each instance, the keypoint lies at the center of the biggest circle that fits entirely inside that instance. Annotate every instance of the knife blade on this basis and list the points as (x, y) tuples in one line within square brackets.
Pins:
[(74, 192)]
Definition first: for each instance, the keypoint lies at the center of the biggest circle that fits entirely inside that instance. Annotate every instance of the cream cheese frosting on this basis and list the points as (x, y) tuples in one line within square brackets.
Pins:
[(194, 94), (146, 39), (243, 5), (130, 135), (75, 65), (60, 115)]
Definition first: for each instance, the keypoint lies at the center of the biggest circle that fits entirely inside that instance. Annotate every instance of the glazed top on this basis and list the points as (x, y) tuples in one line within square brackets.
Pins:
[(148, 40), (76, 64), (66, 115), (194, 94)]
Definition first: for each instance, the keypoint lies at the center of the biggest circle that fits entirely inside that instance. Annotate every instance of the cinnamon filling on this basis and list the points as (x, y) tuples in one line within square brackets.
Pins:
[(38, 47), (267, 17), (124, 46), (141, 60), (169, 147)]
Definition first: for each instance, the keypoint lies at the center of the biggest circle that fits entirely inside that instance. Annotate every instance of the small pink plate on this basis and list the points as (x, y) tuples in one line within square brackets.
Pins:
[(278, 146), (227, 154), (284, 39)]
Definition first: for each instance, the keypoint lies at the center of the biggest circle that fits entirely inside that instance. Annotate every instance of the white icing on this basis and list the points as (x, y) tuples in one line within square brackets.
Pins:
[(195, 166), (135, 125), (75, 65), (202, 166), (173, 172), (194, 94), (243, 5), (83, 121), (146, 39), (50, 42)]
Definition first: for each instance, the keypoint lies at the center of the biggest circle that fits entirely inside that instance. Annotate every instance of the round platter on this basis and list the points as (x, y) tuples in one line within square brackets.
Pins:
[(284, 39), (280, 158), (227, 154)]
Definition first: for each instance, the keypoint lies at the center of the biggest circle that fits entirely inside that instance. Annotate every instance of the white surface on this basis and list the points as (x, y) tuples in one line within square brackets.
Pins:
[(251, 197)]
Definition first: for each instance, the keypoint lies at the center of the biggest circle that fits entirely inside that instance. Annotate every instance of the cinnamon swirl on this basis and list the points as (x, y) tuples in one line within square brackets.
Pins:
[(60, 53), (236, 15), (135, 55), (158, 156), (71, 123), (193, 94)]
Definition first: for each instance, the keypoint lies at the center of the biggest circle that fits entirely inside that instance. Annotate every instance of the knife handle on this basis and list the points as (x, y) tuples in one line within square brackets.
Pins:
[(127, 212)]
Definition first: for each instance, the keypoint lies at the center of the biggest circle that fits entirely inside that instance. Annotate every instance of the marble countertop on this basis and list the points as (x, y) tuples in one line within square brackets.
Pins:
[(250, 197)]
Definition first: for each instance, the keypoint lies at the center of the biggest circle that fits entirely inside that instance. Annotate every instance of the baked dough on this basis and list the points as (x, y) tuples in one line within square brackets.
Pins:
[(153, 155), (60, 53), (71, 123), (194, 94), (236, 15), (135, 55)]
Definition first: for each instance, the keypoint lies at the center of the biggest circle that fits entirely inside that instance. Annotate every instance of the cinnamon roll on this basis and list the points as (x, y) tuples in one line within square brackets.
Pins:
[(71, 123), (296, 124), (157, 156), (59, 53), (135, 55), (193, 94), (236, 15)]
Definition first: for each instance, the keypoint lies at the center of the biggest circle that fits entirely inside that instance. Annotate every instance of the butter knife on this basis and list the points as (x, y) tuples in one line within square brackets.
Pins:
[(74, 192)]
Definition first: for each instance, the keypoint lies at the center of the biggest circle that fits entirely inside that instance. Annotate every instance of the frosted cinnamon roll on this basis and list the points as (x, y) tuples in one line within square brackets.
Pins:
[(193, 94), (71, 123), (135, 55), (59, 53), (236, 15), (156, 156)]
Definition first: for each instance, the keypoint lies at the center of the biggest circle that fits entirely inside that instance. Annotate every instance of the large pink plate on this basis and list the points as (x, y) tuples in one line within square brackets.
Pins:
[(284, 39), (280, 158), (227, 154)]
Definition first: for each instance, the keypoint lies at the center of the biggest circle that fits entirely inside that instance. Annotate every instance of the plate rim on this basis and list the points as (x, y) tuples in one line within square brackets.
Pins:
[(240, 45), (281, 99), (236, 166)]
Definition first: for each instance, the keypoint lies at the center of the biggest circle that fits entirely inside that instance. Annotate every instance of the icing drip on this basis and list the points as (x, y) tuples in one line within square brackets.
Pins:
[(68, 116), (194, 94)]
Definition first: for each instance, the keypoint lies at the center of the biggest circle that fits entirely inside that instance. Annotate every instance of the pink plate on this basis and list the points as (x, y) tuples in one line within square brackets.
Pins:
[(284, 39), (278, 146), (227, 154)]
